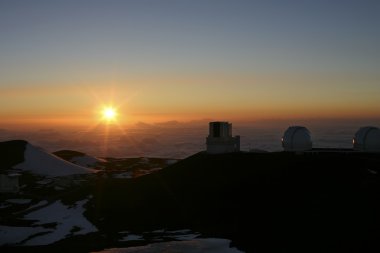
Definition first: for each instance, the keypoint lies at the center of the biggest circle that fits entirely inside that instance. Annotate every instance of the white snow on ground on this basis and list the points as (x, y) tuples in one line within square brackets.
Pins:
[(67, 218), (159, 231), (14, 235), (185, 237), (19, 201), (181, 235), (86, 161), (41, 203), (181, 231), (131, 237), (40, 162), (4, 205), (372, 171), (128, 174), (209, 245)]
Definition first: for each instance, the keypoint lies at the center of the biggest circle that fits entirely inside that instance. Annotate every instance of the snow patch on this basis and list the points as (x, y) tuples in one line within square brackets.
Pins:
[(180, 235), (4, 205), (14, 235), (40, 162), (372, 171), (181, 231), (209, 245), (131, 237), (159, 231), (185, 237), (19, 201), (124, 175), (41, 203), (67, 219), (58, 188)]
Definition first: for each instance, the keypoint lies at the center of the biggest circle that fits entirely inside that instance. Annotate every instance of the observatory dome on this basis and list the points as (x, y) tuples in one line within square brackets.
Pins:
[(297, 138), (367, 139)]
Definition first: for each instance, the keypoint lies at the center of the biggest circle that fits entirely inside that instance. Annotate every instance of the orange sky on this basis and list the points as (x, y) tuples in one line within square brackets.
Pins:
[(219, 97), (188, 60)]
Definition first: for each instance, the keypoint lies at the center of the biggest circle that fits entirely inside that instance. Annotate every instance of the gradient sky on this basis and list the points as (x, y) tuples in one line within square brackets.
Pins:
[(189, 59)]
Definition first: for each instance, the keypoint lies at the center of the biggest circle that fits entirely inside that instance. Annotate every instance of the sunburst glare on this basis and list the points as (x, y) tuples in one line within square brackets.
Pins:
[(109, 114)]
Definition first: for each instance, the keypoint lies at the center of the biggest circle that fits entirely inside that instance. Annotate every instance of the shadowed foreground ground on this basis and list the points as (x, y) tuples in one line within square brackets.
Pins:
[(274, 201), (270, 202)]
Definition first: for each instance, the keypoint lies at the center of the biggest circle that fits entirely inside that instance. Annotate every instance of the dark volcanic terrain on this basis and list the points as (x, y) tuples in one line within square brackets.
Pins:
[(263, 202)]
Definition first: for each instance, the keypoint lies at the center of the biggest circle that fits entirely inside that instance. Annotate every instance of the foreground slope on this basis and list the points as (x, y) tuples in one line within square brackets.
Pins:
[(264, 202)]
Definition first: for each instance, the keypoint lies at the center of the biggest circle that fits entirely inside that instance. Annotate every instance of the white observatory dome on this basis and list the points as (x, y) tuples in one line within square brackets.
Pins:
[(367, 139), (297, 138)]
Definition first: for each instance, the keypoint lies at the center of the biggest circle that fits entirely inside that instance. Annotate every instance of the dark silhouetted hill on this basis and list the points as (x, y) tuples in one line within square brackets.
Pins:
[(12, 153), (265, 202)]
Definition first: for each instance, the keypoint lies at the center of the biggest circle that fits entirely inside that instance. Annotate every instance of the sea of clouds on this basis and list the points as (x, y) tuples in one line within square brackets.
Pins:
[(176, 139)]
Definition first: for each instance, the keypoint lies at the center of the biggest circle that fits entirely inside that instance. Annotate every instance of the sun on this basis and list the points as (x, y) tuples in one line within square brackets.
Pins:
[(109, 114)]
